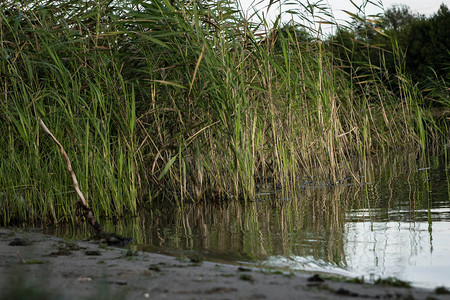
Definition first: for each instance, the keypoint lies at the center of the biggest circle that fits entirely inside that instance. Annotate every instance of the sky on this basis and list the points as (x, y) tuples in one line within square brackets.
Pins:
[(425, 7)]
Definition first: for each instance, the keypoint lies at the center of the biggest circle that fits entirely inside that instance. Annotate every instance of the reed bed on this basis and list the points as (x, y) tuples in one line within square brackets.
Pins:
[(313, 221), (173, 102)]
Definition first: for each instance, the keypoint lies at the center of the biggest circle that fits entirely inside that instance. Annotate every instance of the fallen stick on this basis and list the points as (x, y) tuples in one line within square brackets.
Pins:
[(83, 204), (109, 238)]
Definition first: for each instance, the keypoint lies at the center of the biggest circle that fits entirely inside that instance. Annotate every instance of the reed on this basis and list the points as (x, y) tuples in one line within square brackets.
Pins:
[(173, 102), (313, 221)]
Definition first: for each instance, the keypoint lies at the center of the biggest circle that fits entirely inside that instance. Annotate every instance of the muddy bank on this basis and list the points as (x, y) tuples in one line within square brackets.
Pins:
[(38, 266)]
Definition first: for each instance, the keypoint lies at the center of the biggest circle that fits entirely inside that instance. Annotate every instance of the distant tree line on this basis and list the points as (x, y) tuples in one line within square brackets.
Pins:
[(399, 40)]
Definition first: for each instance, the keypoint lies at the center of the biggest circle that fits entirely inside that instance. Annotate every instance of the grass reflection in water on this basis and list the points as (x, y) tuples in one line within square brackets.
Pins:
[(384, 225)]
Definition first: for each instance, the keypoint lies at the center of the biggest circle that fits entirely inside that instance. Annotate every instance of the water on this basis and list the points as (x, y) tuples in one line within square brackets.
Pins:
[(394, 222)]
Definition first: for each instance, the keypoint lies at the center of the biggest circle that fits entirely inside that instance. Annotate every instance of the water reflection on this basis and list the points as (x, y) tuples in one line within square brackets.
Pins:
[(252, 231), (408, 251), (394, 221)]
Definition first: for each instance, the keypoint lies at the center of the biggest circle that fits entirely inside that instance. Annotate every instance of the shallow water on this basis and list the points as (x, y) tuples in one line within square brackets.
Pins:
[(394, 222)]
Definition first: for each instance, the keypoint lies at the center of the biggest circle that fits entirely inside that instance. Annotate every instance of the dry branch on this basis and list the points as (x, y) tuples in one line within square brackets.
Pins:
[(83, 204)]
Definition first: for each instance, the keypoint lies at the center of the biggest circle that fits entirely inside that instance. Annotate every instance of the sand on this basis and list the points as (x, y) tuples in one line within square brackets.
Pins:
[(38, 266)]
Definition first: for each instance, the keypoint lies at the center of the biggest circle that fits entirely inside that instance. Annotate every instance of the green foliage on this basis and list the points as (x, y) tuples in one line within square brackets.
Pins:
[(398, 17), (399, 41), (427, 42), (165, 100), (392, 281), (441, 290)]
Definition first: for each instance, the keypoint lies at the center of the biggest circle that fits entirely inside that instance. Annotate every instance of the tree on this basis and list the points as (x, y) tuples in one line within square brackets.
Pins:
[(427, 42), (398, 17)]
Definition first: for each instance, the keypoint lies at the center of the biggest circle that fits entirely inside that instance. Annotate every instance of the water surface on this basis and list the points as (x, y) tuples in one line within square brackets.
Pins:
[(393, 220)]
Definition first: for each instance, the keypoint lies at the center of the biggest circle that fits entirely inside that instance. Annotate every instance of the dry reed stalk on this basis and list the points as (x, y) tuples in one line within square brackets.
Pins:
[(83, 204)]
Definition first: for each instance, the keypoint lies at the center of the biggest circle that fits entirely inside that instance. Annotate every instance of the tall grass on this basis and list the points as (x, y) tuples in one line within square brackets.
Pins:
[(313, 221), (175, 101)]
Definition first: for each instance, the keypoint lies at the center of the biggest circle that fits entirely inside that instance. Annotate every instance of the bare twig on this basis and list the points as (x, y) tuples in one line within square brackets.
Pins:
[(88, 213), (22, 261)]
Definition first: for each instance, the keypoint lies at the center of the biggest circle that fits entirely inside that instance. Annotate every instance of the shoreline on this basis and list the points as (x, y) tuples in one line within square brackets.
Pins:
[(35, 264)]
